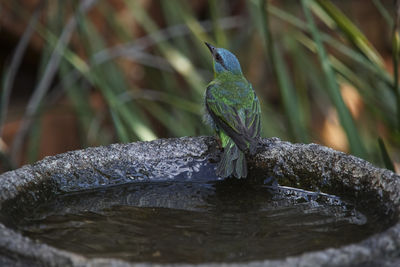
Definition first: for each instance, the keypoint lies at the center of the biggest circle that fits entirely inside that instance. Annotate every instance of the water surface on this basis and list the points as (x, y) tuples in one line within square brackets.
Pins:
[(189, 222)]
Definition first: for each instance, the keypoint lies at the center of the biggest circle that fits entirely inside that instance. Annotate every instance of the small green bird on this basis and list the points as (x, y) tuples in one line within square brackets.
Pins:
[(233, 110)]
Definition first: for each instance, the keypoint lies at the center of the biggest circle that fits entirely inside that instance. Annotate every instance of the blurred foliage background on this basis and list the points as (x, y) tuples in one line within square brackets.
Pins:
[(85, 73)]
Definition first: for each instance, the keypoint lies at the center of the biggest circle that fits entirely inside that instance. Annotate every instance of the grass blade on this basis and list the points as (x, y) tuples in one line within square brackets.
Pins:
[(121, 131), (395, 59), (352, 33), (288, 93), (385, 14), (220, 37), (333, 43), (47, 77), (346, 120), (11, 72), (385, 155)]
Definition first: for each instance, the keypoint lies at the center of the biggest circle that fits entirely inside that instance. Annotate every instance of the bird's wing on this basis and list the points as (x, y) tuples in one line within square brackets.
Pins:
[(239, 122)]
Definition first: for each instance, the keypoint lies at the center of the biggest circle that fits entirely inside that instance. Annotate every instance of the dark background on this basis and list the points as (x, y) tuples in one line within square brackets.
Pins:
[(136, 70)]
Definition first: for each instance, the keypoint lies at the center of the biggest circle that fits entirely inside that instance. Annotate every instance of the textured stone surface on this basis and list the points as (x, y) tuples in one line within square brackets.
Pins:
[(311, 167)]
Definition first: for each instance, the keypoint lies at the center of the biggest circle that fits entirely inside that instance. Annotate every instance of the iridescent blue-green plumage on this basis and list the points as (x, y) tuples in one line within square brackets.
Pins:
[(234, 109)]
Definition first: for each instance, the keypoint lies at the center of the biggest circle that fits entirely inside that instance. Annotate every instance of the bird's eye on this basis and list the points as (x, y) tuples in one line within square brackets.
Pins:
[(218, 57)]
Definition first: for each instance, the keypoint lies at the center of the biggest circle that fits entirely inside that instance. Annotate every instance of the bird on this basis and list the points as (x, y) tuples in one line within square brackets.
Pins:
[(233, 111)]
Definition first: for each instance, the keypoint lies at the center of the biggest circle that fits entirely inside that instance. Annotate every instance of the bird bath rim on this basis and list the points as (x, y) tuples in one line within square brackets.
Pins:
[(297, 164)]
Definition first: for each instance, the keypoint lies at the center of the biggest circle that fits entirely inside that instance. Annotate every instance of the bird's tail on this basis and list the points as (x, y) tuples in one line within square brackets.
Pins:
[(233, 162)]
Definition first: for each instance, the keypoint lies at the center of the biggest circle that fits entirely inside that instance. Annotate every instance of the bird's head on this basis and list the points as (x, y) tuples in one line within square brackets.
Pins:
[(224, 60)]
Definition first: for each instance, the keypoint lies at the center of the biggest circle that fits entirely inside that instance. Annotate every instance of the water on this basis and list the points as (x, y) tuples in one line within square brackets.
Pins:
[(188, 222)]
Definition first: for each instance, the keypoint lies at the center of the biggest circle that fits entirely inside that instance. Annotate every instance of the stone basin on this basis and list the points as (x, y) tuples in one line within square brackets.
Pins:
[(310, 167)]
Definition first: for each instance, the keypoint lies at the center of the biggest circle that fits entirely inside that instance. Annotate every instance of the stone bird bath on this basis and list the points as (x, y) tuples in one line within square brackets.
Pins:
[(310, 167)]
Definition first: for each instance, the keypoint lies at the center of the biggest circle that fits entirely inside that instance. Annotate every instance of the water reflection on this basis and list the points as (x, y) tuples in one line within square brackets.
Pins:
[(196, 222)]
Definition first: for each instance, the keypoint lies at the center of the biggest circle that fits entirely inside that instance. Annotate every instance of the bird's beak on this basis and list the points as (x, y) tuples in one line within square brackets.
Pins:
[(211, 48)]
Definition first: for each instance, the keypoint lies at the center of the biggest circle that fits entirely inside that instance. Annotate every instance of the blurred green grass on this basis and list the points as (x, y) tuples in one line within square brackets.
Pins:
[(297, 63)]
